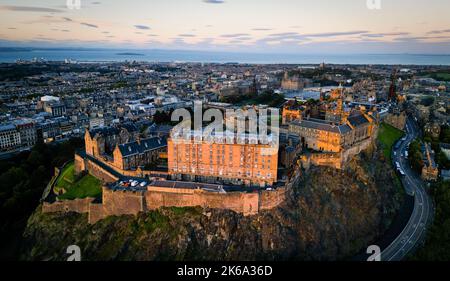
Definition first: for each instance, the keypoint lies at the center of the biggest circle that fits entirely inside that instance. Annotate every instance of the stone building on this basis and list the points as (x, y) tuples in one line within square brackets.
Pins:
[(130, 156), (430, 170), (292, 111), (9, 137), (219, 160), (396, 118), (292, 83), (433, 129), (324, 136), (123, 148), (27, 130)]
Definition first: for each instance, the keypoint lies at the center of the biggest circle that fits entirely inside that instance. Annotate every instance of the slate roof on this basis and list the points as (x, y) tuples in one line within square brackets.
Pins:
[(104, 131), (144, 145), (7, 127), (357, 120), (323, 126), (130, 127)]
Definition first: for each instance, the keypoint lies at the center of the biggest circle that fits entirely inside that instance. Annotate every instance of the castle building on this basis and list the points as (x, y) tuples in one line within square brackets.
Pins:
[(123, 148), (130, 156), (324, 136), (205, 160)]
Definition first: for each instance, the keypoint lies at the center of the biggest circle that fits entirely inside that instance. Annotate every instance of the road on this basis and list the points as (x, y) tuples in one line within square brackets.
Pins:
[(414, 232)]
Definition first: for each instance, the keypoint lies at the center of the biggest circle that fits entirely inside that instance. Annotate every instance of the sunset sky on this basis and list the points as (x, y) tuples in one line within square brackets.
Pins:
[(300, 26)]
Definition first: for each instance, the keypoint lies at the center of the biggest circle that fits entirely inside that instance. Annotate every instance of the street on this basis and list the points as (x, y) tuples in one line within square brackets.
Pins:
[(414, 232)]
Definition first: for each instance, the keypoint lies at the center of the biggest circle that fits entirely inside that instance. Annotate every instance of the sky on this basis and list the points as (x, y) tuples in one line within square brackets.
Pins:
[(259, 26)]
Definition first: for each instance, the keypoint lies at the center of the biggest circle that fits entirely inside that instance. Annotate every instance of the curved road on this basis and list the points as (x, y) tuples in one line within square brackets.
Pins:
[(414, 232)]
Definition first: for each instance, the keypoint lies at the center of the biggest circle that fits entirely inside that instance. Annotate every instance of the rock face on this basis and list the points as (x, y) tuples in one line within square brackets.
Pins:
[(331, 215)]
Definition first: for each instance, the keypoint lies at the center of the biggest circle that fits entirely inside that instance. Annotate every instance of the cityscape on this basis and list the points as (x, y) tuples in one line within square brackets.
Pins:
[(222, 150)]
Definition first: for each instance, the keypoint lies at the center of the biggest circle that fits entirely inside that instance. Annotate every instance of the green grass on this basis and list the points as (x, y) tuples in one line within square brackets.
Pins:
[(440, 76), (86, 186), (387, 136), (67, 176)]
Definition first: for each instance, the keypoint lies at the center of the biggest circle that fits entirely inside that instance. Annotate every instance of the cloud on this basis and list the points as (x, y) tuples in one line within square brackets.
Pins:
[(421, 38), (143, 27), (261, 29), (186, 35), (335, 34), (439, 31), (214, 1), (89, 24), (30, 9), (67, 19), (381, 35), (284, 34), (235, 35)]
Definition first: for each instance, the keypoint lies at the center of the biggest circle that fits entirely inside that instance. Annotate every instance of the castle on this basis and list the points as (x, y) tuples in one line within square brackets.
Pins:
[(238, 173), (333, 133)]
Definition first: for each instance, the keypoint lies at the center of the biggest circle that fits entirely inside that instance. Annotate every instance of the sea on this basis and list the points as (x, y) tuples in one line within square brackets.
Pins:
[(110, 55)]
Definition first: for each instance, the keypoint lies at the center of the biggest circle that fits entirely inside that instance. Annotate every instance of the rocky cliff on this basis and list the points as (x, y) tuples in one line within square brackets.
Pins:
[(330, 215)]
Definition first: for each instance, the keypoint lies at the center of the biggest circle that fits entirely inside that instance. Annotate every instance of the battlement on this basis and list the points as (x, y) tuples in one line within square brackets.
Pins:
[(118, 200)]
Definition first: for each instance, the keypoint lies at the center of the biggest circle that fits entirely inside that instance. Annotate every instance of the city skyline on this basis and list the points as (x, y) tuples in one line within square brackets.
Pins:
[(262, 26)]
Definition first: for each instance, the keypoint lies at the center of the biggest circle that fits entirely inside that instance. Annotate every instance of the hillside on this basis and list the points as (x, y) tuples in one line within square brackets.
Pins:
[(331, 215)]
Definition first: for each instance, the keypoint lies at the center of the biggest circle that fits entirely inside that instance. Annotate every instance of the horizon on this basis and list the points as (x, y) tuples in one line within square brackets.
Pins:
[(264, 26), (31, 47)]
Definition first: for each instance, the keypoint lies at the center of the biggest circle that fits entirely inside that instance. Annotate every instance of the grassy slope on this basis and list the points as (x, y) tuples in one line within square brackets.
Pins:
[(67, 176), (86, 186), (388, 135)]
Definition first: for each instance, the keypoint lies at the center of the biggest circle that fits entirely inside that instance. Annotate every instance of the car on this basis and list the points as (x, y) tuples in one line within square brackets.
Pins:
[(142, 184), (134, 183)]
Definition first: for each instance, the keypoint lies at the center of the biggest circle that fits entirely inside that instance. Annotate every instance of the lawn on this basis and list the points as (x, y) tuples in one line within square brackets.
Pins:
[(440, 76), (67, 176), (86, 186), (387, 136)]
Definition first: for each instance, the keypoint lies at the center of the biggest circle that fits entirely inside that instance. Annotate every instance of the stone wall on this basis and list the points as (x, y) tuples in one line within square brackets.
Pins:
[(122, 202), (245, 203), (100, 173), (396, 120), (131, 203), (96, 213), (77, 205), (138, 173), (337, 160), (80, 164)]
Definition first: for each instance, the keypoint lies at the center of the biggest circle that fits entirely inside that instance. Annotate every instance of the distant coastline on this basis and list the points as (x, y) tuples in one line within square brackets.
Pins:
[(130, 54), (12, 54)]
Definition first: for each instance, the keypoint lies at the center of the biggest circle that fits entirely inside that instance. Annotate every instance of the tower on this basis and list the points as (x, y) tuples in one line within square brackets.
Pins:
[(393, 87)]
